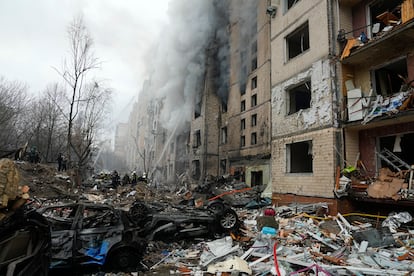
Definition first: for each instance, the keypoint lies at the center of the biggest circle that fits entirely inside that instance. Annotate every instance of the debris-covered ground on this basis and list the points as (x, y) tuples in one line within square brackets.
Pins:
[(300, 239)]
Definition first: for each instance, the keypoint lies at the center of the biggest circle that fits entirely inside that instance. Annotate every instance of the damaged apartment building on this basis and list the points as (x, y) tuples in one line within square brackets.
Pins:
[(230, 131), (342, 96)]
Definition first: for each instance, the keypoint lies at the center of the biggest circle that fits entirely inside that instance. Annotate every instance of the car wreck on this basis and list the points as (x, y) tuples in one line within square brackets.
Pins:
[(86, 234), (90, 234)]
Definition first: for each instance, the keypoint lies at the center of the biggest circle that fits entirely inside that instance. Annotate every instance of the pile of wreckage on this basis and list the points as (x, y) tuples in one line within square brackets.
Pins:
[(299, 239), (285, 241), (396, 185)]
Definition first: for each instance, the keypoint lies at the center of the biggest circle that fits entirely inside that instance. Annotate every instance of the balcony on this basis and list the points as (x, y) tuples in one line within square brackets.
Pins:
[(394, 42)]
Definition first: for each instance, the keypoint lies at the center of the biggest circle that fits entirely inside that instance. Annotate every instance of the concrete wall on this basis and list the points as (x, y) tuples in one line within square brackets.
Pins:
[(314, 12), (318, 183), (320, 112)]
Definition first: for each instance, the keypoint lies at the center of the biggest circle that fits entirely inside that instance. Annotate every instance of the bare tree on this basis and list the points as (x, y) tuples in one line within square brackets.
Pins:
[(87, 99), (75, 70), (91, 115), (48, 124), (13, 99)]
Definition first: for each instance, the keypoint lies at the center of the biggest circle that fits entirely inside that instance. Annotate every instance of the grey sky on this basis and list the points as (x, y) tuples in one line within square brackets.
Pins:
[(34, 40)]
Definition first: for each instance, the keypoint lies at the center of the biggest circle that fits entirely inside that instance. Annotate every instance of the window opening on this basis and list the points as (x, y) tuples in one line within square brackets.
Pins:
[(254, 119), (242, 124), (256, 178), (254, 100), (254, 83), (299, 97), (197, 139), (298, 41), (299, 157), (253, 138), (389, 78)]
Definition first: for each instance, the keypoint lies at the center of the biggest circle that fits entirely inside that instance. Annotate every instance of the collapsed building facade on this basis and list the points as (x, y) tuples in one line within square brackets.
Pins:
[(340, 72), (293, 92)]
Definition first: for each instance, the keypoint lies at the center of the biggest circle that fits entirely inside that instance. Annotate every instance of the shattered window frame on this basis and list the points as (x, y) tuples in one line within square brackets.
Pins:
[(376, 9), (297, 42), (299, 97), (299, 157), (242, 141), (243, 124), (386, 78)]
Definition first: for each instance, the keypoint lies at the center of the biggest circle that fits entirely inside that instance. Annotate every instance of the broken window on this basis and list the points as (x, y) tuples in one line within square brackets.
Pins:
[(196, 139), (383, 14), (224, 135), (299, 157), (389, 78), (242, 124), (298, 41), (242, 141), (242, 106), (256, 178), (254, 120), (299, 97), (254, 63), (401, 146), (96, 217), (290, 3), (223, 166), (253, 139), (61, 217), (254, 83), (254, 100), (196, 169)]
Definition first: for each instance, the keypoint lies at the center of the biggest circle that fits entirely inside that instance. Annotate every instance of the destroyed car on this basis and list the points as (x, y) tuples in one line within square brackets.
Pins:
[(85, 233), (88, 234), (24, 243), (163, 221)]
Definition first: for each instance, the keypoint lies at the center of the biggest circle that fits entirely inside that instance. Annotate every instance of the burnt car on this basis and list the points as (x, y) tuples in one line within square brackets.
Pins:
[(89, 234), (163, 221), (24, 243), (86, 233)]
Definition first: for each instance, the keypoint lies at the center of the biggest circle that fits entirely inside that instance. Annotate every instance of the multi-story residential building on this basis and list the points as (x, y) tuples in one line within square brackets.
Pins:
[(340, 72), (247, 121), (204, 138), (231, 130), (377, 64), (306, 138)]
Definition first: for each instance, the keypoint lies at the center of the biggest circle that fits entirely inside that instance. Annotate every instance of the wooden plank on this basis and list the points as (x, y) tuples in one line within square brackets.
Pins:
[(407, 10)]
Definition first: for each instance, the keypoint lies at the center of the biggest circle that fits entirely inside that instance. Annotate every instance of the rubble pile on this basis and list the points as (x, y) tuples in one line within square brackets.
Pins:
[(301, 244), (299, 239)]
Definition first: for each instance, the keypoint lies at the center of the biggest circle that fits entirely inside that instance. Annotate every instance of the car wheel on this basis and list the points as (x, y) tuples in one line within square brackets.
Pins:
[(228, 219), (138, 211), (124, 259)]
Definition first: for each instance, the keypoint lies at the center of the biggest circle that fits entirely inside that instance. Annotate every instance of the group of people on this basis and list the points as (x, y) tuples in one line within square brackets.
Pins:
[(61, 162), (126, 179)]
